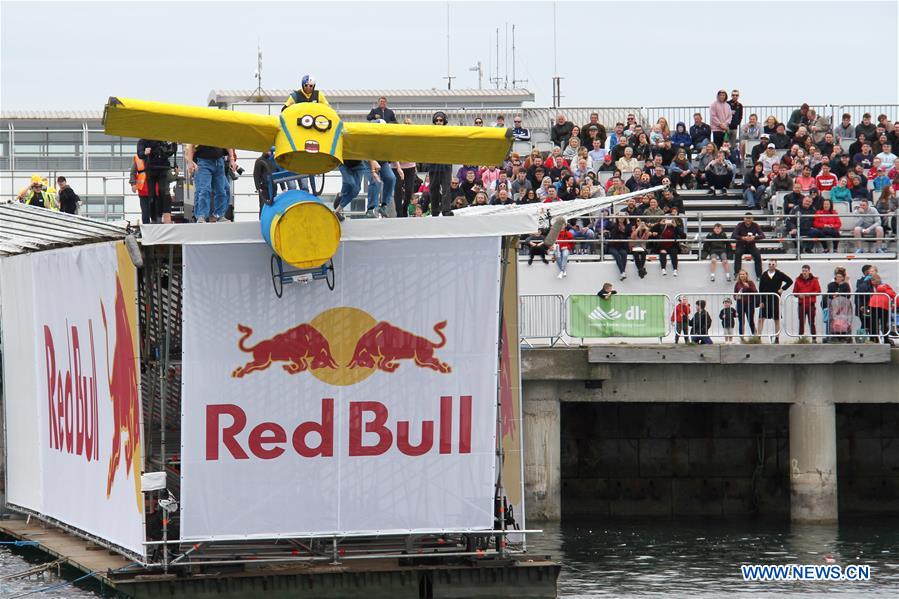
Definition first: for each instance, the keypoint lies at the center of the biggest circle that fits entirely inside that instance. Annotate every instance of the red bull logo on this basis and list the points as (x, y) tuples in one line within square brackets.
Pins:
[(343, 346)]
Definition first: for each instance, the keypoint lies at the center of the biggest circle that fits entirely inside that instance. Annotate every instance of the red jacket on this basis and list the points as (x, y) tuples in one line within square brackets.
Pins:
[(880, 299), (681, 313), (809, 285), (826, 219), (565, 234)]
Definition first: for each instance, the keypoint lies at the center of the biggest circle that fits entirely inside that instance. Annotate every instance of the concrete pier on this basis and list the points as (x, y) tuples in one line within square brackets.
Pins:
[(813, 448), (710, 430)]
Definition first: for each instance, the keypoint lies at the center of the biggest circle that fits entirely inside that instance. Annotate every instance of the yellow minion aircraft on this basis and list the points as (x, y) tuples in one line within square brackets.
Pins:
[(309, 138)]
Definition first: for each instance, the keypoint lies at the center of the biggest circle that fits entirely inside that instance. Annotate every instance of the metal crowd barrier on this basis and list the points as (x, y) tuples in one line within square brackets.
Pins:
[(846, 317), (541, 317), (583, 317)]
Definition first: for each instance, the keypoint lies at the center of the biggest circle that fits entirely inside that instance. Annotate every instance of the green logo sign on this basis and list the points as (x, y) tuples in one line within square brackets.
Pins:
[(618, 316)]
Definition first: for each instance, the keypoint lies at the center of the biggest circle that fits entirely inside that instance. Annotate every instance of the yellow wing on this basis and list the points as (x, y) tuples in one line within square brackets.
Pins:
[(189, 124), (426, 143)]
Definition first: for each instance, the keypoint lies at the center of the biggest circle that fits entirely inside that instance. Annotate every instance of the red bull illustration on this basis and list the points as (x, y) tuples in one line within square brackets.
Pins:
[(301, 347), (123, 390), (342, 346), (385, 343)]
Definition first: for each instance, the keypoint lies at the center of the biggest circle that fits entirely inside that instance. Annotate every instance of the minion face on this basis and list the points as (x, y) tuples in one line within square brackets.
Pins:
[(310, 139)]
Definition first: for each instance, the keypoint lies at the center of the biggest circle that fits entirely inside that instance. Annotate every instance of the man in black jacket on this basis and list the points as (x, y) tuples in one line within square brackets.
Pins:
[(771, 285), (746, 234), (381, 112), (700, 133), (800, 220), (779, 138), (866, 127), (561, 131), (68, 199), (156, 156), (439, 176)]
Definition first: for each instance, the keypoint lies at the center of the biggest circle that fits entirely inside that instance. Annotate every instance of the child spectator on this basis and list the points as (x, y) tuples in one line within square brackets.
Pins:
[(716, 247), (700, 325), (606, 292), (681, 318), (728, 316)]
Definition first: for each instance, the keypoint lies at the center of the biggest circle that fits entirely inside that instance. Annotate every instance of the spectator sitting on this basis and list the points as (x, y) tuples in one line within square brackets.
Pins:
[(805, 180), (519, 133), (779, 138), (845, 130), (746, 234), (700, 133), (799, 224), (856, 146), (606, 165), (667, 234), (886, 156), (880, 181), (780, 180), (866, 127), (680, 316), (867, 225), (716, 247), (769, 158), (826, 181), (682, 172), (827, 144), (798, 117), (627, 163), (556, 160), (653, 212), (597, 155), (719, 174), (761, 148), (571, 149), (826, 224), (520, 186), (819, 126), (772, 284), (561, 131), (755, 185), (858, 186), (681, 139), (700, 325), (887, 205), (564, 247), (593, 130), (752, 131), (727, 316), (864, 157), (616, 241), (534, 243), (584, 236), (841, 193), (547, 192)]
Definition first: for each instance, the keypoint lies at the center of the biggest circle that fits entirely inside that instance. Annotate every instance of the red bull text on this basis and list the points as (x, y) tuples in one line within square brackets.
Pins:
[(73, 420), (371, 432)]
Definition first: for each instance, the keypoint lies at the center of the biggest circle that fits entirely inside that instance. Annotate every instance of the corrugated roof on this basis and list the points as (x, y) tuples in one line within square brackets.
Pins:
[(32, 229), (49, 115)]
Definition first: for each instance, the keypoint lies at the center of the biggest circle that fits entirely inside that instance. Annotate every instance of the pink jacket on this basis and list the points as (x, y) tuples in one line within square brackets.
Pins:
[(720, 113)]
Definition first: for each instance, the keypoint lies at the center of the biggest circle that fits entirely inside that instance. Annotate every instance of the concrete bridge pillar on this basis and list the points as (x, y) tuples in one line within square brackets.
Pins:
[(542, 452), (813, 447)]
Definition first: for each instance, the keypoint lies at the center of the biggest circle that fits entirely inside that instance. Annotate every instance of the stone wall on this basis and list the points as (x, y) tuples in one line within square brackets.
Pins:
[(867, 458)]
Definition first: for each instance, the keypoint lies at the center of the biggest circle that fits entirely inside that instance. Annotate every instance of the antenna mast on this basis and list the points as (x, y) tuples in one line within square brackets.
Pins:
[(496, 78), (515, 81), (449, 77), (258, 76)]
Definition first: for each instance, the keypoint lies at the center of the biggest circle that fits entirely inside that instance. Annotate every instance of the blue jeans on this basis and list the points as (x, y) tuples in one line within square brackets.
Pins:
[(752, 199), (352, 182), (210, 181), (562, 258), (388, 184), (620, 255)]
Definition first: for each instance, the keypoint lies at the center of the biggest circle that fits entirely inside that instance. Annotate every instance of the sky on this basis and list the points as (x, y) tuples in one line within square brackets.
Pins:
[(73, 55)]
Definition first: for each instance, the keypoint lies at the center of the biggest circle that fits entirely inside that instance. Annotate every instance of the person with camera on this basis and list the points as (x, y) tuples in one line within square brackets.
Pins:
[(207, 165), (36, 195), (157, 155)]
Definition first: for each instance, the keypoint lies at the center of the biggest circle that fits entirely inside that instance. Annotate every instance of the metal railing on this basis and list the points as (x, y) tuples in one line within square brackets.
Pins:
[(551, 318)]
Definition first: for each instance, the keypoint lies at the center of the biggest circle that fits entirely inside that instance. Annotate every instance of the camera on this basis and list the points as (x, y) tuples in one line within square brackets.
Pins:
[(164, 150), (235, 174)]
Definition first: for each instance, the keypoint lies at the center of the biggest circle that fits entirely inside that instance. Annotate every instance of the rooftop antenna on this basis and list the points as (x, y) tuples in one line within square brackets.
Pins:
[(557, 89), (506, 79), (258, 93), (515, 81), (480, 71), (449, 78), (496, 78)]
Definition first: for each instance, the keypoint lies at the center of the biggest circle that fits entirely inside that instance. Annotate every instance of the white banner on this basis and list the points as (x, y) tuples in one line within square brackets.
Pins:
[(371, 408), (73, 397)]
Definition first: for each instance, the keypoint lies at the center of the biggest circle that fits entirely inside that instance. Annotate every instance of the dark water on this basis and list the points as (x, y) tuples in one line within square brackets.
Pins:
[(703, 558), (657, 558)]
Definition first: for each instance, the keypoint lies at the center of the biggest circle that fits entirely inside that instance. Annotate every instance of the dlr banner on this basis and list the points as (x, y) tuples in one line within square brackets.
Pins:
[(73, 409), (370, 408)]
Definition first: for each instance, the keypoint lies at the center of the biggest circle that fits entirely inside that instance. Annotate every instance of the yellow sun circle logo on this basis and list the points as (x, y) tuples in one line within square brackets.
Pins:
[(343, 327)]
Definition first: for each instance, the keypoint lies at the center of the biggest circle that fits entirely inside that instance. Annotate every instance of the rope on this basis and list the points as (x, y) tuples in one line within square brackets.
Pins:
[(19, 543), (33, 570), (66, 583)]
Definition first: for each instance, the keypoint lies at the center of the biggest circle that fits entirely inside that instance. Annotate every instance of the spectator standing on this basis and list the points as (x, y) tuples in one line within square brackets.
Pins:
[(746, 234), (439, 178), (727, 316), (381, 112), (68, 199), (262, 179), (700, 325), (408, 185), (839, 287), (564, 247), (867, 224), (561, 131), (519, 133), (156, 155), (720, 115), (149, 213), (807, 289), (680, 316), (736, 117), (700, 133), (863, 290), (880, 307), (747, 295), (207, 165), (352, 172), (715, 248), (772, 284)]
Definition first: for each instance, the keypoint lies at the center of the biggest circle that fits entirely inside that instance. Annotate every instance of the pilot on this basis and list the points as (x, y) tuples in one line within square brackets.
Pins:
[(306, 93)]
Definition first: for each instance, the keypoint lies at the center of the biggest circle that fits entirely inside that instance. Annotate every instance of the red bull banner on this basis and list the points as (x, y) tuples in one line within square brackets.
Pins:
[(72, 403), (367, 409)]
